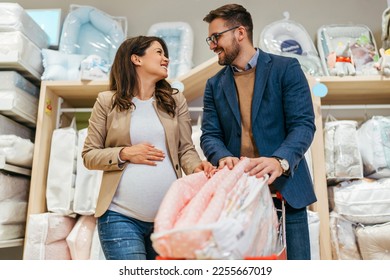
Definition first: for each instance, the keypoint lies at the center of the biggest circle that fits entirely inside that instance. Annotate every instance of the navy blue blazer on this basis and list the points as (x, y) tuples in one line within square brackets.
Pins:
[(282, 121)]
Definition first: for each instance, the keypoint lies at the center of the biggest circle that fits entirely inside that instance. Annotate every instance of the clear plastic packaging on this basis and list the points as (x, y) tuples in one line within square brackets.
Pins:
[(89, 31), (342, 156), (346, 46), (289, 38), (179, 38), (14, 18)]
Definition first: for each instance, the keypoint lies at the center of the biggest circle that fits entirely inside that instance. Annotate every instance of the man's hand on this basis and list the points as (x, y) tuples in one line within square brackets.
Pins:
[(264, 165)]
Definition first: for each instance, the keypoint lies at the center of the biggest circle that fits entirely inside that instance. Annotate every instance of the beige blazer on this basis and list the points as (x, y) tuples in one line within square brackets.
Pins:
[(109, 132)]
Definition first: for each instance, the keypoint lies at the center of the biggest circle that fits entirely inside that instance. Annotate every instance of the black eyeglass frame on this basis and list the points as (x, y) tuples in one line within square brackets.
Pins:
[(214, 37)]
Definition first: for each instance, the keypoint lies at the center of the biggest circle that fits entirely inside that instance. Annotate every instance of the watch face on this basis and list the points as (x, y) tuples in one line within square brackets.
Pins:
[(284, 164)]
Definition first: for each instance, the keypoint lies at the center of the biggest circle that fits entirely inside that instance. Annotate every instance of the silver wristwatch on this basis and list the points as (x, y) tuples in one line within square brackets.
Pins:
[(284, 164)]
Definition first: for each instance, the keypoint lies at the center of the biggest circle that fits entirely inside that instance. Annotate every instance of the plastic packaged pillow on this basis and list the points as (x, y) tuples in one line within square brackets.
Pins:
[(87, 183), (61, 175), (374, 146), (12, 231), (342, 156), (17, 151), (13, 211), (80, 238), (61, 66), (96, 248), (14, 18), (364, 201), (13, 187), (47, 237), (12, 79), (343, 239), (374, 242)]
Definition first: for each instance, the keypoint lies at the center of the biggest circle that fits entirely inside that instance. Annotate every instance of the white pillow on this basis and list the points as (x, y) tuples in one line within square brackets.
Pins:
[(61, 66)]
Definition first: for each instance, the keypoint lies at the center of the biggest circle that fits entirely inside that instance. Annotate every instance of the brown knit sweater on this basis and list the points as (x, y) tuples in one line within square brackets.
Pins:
[(245, 82)]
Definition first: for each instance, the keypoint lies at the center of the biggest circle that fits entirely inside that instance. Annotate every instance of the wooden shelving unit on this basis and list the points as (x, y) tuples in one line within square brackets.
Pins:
[(356, 90)]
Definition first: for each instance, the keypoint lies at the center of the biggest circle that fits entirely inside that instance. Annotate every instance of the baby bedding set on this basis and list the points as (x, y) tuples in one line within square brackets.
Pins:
[(88, 44), (347, 50), (229, 216)]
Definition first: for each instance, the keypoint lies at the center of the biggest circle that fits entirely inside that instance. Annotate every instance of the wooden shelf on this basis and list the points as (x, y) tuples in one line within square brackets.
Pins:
[(195, 80), (356, 90), (83, 93), (77, 93)]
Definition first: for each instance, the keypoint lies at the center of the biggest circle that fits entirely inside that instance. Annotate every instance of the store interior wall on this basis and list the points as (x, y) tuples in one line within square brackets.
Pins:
[(311, 14)]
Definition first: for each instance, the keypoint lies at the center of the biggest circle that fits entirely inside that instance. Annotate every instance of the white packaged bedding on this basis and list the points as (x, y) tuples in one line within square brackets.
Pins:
[(343, 239), (46, 239), (342, 156), (11, 127), (12, 231), (17, 52), (374, 146), (13, 186), (16, 150), (362, 201), (12, 79), (14, 18), (374, 241), (13, 211), (18, 98)]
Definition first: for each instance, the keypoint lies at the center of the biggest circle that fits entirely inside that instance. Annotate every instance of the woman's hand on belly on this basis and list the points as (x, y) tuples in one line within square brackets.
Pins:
[(143, 153)]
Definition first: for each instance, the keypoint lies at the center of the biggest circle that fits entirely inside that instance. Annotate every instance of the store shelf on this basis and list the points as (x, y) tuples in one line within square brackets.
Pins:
[(356, 90), (11, 243), (195, 80), (13, 168)]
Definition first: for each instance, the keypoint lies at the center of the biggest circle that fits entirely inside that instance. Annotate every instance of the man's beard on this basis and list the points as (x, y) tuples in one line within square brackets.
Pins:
[(230, 55)]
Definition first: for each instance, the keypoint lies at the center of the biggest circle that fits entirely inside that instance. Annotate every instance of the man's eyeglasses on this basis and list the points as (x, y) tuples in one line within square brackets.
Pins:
[(214, 38)]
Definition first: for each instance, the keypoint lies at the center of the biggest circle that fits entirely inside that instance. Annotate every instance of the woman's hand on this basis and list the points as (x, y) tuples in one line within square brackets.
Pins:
[(143, 153), (230, 162), (207, 167)]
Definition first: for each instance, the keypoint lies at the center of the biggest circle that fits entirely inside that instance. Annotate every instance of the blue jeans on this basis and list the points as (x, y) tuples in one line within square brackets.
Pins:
[(125, 238), (297, 232)]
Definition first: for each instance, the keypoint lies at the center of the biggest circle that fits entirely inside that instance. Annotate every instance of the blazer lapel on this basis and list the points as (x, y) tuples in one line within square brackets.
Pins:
[(229, 89), (262, 72)]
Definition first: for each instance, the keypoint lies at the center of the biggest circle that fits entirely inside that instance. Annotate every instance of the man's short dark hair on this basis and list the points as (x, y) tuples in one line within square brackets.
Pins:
[(235, 15)]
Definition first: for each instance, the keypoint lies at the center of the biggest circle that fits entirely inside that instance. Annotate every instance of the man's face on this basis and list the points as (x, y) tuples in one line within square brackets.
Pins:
[(224, 44)]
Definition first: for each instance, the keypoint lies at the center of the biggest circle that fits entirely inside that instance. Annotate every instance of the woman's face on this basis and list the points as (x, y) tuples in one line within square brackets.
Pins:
[(154, 62)]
